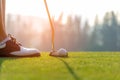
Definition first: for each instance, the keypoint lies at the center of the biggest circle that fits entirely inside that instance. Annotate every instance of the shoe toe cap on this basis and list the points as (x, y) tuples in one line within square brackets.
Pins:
[(26, 52)]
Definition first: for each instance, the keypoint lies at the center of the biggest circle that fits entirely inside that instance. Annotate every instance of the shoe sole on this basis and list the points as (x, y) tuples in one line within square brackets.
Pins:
[(9, 55)]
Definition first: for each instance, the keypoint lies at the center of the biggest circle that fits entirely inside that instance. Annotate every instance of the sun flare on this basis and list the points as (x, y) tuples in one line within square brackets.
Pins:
[(85, 8)]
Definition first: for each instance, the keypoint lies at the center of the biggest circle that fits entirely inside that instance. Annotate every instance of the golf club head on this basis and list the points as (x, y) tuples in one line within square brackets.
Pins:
[(59, 53)]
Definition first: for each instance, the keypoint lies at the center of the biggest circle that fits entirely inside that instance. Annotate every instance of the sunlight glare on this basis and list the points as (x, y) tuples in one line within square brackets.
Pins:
[(85, 8)]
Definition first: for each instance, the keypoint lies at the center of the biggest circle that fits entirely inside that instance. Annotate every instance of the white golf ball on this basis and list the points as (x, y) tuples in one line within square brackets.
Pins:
[(62, 52)]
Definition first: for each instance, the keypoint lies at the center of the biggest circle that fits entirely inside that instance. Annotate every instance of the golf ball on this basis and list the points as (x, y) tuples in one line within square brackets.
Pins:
[(62, 52)]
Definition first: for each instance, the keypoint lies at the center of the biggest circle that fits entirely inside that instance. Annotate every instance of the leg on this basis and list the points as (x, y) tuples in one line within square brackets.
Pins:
[(3, 12), (8, 45), (3, 34)]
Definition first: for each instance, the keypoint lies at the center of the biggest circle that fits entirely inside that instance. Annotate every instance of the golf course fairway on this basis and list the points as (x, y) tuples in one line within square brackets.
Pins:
[(78, 66)]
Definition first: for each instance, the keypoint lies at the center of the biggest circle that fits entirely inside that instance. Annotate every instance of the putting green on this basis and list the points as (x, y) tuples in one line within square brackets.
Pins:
[(78, 66)]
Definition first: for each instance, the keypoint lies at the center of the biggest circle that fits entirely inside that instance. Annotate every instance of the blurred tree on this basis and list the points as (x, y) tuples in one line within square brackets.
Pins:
[(114, 25), (78, 32), (109, 32), (60, 18), (118, 35), (85, 35), (96, 38), (9, 23), (96, 21), (69, 21)]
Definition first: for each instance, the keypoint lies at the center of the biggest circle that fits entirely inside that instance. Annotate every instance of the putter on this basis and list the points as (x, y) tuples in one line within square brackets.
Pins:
[(61, 52)]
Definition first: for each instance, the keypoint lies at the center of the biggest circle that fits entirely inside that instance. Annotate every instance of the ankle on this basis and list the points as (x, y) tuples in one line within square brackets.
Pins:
[(2, 37)]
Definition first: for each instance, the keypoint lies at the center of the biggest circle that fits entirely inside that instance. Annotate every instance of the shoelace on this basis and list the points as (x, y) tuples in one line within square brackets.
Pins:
[(13, 39)]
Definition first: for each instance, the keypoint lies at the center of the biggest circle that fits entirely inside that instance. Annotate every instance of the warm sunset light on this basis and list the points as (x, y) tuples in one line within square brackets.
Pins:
[(43, 39), (78, 24), (85, 8)]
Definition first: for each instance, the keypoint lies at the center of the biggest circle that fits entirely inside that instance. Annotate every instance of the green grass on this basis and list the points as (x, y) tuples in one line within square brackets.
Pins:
[(78, 66)]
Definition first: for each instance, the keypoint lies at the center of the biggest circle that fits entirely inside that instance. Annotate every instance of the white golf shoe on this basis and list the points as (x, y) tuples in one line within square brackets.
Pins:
[(11, 48)]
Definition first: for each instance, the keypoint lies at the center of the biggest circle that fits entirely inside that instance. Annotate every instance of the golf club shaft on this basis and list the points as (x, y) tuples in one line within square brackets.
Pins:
[(51, 24)]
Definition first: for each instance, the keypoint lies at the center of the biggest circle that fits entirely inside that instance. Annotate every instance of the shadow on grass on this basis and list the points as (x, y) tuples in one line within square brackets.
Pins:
[(1, 62), (70, 70)]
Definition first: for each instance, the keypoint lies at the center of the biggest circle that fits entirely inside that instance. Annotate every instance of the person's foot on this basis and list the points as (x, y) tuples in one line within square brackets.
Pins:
[(10, 48)]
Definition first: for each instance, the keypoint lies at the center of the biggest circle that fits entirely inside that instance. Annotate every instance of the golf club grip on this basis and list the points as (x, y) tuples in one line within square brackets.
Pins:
[(51, 24)]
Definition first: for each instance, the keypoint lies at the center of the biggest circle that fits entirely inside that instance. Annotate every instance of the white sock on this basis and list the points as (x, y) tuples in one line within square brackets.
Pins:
[(4, 41)]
